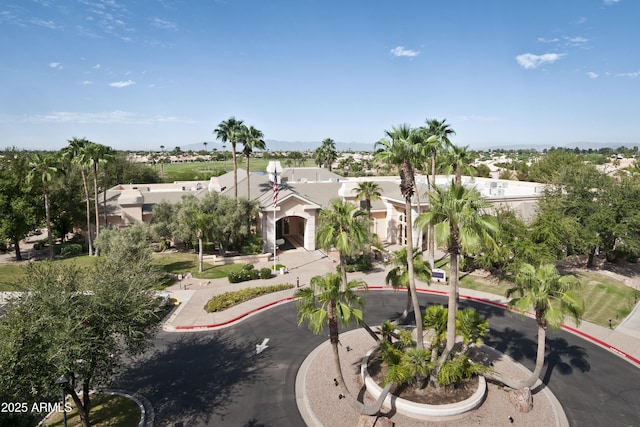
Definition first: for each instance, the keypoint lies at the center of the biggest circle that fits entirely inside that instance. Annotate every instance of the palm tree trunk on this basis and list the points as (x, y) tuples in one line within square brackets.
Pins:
[(88, 205), (95, 197), (343, 271), (104, 197), (48, 219), (248, 185), (542, 338), (412, 282), (453, 304), (16, 247), (235, 170), (200, 252), (431, 230)]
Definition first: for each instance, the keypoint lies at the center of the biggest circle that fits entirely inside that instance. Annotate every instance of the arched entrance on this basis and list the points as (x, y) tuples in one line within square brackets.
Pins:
[(292, 230)]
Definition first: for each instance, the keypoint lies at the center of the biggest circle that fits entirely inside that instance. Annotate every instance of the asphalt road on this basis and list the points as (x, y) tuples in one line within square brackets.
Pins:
[(217, 379)]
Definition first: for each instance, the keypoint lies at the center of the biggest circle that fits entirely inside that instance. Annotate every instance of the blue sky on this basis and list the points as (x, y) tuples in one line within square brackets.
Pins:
[(140, 74)]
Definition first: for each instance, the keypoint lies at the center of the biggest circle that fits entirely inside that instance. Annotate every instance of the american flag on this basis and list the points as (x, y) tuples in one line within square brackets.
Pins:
[(275, 187)]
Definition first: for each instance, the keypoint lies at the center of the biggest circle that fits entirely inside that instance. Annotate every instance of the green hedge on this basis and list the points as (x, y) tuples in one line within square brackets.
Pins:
[(229, 299)]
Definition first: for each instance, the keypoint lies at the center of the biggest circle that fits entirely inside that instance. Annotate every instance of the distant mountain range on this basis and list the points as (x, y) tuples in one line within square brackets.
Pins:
[(275, 145)]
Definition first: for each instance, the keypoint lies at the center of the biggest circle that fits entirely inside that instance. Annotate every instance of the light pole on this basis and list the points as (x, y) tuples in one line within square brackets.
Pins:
[(62, 382)]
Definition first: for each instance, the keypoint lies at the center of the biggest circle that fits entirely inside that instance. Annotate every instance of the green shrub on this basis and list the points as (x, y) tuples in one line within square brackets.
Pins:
[(3, 245), (71, 249), (37, 246), (279, 266), (253, 245), (265, 273), (246, 273), (229, 299)]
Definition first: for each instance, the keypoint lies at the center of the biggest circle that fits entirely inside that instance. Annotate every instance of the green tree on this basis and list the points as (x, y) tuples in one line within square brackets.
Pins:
[(368, 191), (460, 225), (251, 138), (43, 168), (344, 227), (327, 302), (552, 297), (96, 154), (398, 275), (231, 130), (328, 153), (401, 149), (18, 204), (78, 152), (77, 323)]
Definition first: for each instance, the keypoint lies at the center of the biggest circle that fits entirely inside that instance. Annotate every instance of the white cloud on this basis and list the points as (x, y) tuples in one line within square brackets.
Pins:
[(529, 61), (122, 83), (401, 51), (107, 117), (609, 2), (632, 75), (543, 40), (87, 83), (577, 39), (163, 24), (592, 75), (581, 20), (96, 67), (55, 65), (47, 24)]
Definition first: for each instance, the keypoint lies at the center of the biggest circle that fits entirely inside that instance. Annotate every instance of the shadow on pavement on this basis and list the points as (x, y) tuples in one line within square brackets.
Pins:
[(194, 377)]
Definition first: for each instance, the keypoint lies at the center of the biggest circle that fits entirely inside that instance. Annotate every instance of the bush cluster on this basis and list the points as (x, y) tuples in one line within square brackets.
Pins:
[(249, 273), (361, 263), (71, 249), (229, 299)]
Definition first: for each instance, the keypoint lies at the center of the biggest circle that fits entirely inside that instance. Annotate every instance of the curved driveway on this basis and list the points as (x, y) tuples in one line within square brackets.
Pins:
[(217, 379)]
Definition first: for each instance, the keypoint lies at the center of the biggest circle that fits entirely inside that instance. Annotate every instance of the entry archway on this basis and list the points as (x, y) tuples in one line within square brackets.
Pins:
[(292, 230)]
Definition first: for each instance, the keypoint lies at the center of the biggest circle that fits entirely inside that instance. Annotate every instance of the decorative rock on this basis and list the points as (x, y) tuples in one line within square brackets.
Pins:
[(522, 399)]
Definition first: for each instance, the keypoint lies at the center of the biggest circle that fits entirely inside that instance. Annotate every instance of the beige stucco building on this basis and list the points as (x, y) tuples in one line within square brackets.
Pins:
[(303, 192)]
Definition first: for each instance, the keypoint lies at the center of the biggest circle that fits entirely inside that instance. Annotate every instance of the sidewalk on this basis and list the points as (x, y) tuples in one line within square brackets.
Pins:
[(301, 265)]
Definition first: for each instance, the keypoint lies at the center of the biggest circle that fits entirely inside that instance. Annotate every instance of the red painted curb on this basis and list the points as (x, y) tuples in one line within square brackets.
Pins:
[(235, 319), (429, 291)]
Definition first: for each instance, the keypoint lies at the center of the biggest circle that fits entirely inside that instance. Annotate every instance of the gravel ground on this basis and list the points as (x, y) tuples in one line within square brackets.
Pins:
[(322, 401)]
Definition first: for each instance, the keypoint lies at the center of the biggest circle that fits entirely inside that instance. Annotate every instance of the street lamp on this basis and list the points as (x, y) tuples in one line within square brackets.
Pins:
[(62, 382)]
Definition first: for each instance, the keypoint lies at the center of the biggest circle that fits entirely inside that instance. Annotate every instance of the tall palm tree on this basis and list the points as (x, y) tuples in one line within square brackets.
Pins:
[(329, 153), (368, 191), (251, 138), (441, 131), (76, 151), (96, 154), (327, 303), (231, 130), (552, 297), (460, 225), (398, 276), (108, 155), (401, 150), (458, 158), (44, 168), (344, 227), (162, 161)]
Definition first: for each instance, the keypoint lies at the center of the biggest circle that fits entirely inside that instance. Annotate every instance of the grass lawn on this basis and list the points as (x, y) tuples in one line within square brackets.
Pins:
[(10, 273), (180, 263), (605, 298), (204, 170), (107, 411)]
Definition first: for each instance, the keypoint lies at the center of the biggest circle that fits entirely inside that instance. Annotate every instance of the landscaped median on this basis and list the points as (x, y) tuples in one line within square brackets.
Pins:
[(229, 299)]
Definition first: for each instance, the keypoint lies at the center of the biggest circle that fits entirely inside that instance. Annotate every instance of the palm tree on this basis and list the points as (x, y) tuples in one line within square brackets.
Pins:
[(162, 161), (344, 227), (108, 155), (231, 130), (552, 297), (44, 168), (441, 131), (368, 191), (77, 152), (398, 276), (329, 153), (400, 149), (327, 303), (458, 159), (96, 154), (252, 138), (456, 214)]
